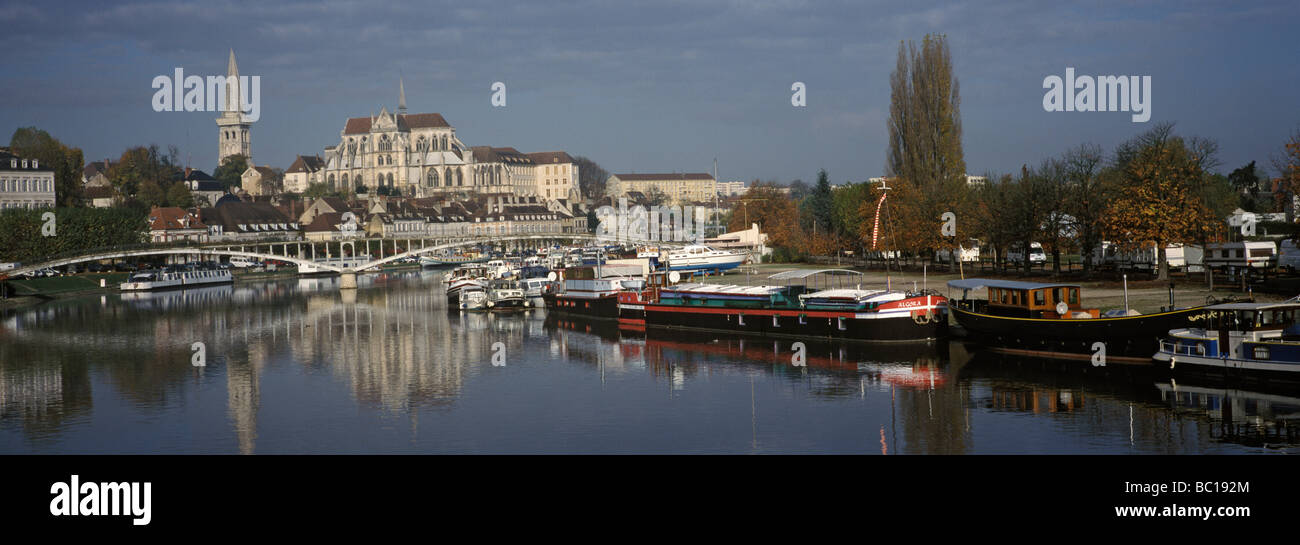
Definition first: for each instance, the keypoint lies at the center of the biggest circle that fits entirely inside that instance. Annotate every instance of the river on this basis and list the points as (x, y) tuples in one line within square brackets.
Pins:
[(298, 366)]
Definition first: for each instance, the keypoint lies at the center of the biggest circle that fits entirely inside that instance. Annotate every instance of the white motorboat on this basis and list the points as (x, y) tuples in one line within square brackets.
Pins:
[(703, 258)]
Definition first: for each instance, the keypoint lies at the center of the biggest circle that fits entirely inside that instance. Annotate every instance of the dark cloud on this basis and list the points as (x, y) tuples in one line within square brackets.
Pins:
[(649, 86)]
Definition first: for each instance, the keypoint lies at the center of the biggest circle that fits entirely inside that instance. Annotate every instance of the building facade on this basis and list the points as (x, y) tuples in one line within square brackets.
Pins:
[(419, 155), (23, 183), (677, 188), (304, 171)]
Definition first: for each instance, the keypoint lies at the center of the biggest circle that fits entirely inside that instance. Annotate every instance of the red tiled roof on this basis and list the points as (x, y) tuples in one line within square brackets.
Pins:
[(173, 217), (543, 157), (359, 125)]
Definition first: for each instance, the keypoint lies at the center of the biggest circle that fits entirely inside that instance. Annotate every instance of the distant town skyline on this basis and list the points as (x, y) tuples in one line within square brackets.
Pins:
[(652, 88)]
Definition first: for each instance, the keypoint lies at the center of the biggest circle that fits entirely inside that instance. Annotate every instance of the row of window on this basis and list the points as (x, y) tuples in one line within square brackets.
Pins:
[(26, 204), (26, 185)]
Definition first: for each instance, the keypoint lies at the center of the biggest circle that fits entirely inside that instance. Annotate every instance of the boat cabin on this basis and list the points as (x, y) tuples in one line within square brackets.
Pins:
[(1017, 299)]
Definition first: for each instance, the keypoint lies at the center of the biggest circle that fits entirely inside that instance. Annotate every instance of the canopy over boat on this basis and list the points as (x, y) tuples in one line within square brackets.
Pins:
[(977, 283), (819, 278)]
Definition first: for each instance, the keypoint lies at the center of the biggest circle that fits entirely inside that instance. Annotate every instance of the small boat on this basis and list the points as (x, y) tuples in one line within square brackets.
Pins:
[(175, 278), (535, 288), (1232, 338), (473, 297), (505, 295), (465, 276), (1049, 320), (703, 258), (593, 291)]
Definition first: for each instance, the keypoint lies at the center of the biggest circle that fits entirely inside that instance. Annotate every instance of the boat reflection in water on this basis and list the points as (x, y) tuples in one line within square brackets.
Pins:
[(1163, 414)]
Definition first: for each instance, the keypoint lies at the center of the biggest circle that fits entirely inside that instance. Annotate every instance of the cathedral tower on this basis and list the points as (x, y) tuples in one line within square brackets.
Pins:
[(233, 137)]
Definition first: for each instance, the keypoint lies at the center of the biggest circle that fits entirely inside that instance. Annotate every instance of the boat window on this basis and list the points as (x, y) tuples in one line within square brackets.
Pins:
[(1015, 297), (1261, 352), (1004, 296), (1056, 295), (1038, 297), (1074, 296)]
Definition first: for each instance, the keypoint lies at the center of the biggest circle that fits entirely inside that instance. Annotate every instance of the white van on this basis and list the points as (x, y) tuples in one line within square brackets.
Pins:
[(1257, 255), (1288, 256), (243, 262), (1036, 255)]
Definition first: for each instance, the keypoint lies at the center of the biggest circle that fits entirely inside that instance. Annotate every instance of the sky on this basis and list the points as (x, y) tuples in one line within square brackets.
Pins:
[(649, 86)]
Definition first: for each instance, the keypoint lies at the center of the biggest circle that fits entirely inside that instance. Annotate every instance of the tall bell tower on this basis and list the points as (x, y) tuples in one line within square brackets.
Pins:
[(233, 134)]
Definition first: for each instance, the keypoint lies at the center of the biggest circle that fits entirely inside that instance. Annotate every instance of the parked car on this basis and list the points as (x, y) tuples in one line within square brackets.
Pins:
[(124, 267), (96, 267)]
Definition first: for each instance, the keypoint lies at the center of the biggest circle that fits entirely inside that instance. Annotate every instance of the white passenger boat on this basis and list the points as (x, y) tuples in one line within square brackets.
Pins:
[(164, 279), (703, 258), (1238, 337)]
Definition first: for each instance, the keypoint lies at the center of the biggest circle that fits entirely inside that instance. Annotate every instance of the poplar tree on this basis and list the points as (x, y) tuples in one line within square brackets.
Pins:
[(925, 158)]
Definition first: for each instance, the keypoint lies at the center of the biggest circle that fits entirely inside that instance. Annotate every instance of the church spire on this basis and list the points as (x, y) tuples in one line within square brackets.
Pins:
[(401, 96), (233, 106)]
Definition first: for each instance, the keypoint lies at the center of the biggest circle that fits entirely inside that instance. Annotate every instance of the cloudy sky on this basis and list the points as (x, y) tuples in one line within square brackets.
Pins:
[(652, 86)]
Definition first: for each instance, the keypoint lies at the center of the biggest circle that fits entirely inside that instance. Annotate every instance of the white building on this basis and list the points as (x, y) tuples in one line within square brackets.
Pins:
[(305, 170), (679, 188), (732, 188), (23, 183)]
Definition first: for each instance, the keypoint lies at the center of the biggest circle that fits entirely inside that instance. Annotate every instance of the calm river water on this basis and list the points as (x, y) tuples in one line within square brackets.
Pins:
[(296, 366)]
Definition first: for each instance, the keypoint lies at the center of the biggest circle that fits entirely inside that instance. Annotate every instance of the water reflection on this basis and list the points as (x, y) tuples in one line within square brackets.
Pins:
[(75, 372)]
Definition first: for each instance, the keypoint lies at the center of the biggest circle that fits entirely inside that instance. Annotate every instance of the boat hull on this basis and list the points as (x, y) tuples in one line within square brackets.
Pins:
[(603, 307), (1134, 337), (861, 326)]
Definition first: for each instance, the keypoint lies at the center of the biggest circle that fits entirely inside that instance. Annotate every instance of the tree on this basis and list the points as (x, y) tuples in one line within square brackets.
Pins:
[(820, 204), (846, 210), (775, 213), (80, 229), (66, 162), (151, 194), (1158, 201), (925, 117), (1085, 198), (1245, 181), (317, 190), (799, 189), (231, 171), (656, 197), (144, 164), (1287, 164), (990, 204), (591, 178), (179, 195), (925, 165)]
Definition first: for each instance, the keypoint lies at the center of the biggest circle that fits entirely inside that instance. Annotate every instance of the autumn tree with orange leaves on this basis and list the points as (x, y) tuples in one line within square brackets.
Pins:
[(1156, 201)]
